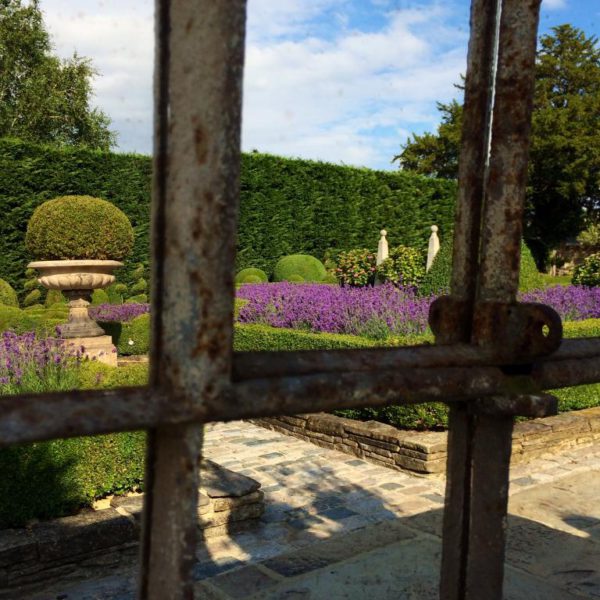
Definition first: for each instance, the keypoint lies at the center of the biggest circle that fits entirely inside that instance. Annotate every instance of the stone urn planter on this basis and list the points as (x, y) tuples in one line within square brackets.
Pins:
[(78, 242), (77, 279)]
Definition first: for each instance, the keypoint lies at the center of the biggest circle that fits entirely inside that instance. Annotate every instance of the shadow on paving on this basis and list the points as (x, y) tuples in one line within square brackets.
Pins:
[(371, 552)]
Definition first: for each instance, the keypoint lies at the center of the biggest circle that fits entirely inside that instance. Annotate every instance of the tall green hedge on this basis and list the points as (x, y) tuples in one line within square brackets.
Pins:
[(288, 206)]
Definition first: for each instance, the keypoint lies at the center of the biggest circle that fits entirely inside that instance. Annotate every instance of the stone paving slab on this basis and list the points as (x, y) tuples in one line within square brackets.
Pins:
[(315, 496)]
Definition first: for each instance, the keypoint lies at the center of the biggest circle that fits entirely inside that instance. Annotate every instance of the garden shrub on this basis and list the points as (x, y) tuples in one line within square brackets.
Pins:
[(265, 338), (37, 309), (97, 375), (33, 297), (15, 319), (139, 299), (79, 227), (530, 278), (588, 272), (356, 267), (117, 292), (54, 297), (139, 287), (308, 267), (296, 278), (100, 297), (427, 416), (404, 266), (330, 278), (251, 275), (51, 479), (8, 296), (437, 279), (131, 337)]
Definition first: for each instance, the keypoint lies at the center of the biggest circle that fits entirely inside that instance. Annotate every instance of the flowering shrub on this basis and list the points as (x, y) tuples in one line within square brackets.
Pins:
[(118, 313), (28, 364), (588, 272), (356, 267), (404, 266), (572, 302), (370, 311)]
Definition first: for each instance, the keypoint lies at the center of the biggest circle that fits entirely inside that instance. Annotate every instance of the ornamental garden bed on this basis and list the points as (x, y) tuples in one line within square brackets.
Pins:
[(52, 479)]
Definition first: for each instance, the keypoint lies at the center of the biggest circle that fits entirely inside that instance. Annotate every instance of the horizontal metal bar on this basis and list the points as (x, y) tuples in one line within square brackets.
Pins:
[(252, 365), (347, 379), (32, 417), (329, 391)]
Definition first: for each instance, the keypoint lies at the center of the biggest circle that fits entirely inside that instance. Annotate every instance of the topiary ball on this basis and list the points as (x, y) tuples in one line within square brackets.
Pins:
[(296, 278), (308, 267), (251, 275), (8, 296), (252, 279), (79, 227)]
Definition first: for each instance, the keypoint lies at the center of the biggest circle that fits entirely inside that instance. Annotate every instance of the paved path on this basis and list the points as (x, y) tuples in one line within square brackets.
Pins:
[(336, 526)]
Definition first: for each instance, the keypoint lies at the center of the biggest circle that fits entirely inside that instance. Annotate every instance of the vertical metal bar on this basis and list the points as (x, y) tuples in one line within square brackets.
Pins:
[(198, 89), (499, 282), (491, 439), (505, 193), (479, 445), (473, 156), (475, 141)]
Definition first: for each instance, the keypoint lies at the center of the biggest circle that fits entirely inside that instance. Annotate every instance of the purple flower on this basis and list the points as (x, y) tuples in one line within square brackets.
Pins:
[(119, 313), (371, 311), (27, 363), (572, 302)]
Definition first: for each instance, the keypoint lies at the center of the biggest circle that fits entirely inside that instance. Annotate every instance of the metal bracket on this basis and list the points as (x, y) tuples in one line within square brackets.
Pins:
[(515, 333)]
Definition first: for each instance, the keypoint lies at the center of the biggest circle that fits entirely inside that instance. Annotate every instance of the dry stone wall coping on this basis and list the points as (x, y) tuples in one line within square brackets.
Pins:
[(424, 452)]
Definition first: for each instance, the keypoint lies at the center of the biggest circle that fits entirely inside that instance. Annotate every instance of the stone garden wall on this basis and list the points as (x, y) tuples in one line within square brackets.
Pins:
[(425, 452)]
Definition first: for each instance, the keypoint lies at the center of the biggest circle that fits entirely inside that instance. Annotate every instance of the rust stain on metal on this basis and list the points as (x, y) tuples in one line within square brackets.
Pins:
[(201, 145)]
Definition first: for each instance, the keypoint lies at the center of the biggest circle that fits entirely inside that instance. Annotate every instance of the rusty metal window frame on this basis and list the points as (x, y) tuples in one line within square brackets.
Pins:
[(492, 359)]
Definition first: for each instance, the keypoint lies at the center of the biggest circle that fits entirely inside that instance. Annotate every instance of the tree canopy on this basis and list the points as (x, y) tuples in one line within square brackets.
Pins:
[(44, 98), (563, 193)]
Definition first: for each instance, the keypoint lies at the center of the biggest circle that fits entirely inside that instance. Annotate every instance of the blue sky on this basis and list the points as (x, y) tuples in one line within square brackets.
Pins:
[(347, 81)]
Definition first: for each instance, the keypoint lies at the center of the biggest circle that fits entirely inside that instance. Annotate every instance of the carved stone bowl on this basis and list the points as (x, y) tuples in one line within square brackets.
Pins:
[(77, 279)]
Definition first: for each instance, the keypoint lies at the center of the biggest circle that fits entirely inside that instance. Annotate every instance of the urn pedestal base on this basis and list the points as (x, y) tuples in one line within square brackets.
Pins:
[(100, 347)]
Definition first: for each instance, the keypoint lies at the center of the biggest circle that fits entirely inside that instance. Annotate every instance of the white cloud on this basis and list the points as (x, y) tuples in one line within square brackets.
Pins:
[(322, 99), (554, 4), (351, 96)]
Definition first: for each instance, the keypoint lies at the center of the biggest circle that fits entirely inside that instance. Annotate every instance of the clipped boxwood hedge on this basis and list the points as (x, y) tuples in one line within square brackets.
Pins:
[(51, 479)]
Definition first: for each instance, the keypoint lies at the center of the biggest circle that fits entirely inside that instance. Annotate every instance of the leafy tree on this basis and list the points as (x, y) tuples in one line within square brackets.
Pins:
[(436, 154), (564, 172), (43, 98)]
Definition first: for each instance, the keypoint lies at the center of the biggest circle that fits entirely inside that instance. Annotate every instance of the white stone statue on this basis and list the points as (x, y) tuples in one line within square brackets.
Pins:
[(382, 248), (434, 246)]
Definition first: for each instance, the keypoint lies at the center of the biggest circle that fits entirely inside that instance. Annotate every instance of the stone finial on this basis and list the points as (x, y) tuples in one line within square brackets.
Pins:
[(382, 248), (434, 247)]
